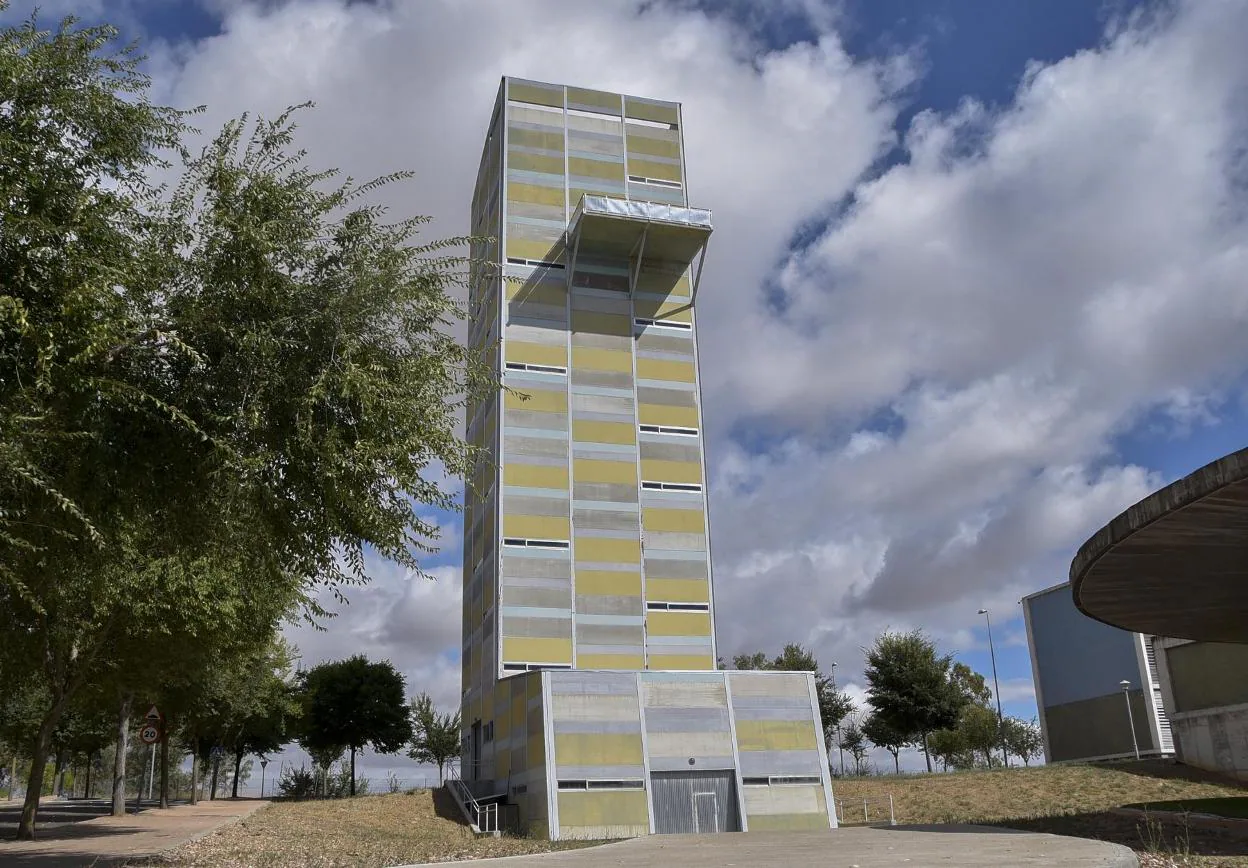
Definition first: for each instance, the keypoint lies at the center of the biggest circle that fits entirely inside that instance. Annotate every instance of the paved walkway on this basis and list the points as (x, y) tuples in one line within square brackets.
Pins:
[(911, 846), (65, 841)]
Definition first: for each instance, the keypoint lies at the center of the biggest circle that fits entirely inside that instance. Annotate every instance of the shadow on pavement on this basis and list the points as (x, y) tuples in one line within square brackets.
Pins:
[(1168, 833), (952, 830)]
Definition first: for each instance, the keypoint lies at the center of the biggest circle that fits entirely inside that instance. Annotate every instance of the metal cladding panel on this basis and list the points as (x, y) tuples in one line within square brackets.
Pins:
[(694, 802), (593, 683), (761, 763), (603, 815), (1097, 727), (1076, 657), (1207, 675)]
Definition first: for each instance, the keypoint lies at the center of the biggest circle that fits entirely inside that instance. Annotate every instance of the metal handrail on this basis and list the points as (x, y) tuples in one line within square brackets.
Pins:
[(482, 818)]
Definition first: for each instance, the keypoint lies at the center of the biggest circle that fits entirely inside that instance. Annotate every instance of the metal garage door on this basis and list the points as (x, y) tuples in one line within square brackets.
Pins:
[(695, 802)]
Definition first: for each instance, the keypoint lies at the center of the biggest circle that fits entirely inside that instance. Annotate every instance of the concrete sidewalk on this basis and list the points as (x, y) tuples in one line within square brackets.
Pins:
[(114, 840), (888, 847)]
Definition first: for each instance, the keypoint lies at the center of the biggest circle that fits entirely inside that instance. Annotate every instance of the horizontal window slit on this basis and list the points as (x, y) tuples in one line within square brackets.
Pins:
[(657, 182), (536, 369), (782, 780), (664, 606), (671, 486), (646, 322), (536, 263), (522, 542), (668, 429)]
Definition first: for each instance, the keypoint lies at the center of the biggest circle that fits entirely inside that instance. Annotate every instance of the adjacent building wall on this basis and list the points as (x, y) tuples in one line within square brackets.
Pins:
[(1206, 690), (1077, 665), (627, 745)]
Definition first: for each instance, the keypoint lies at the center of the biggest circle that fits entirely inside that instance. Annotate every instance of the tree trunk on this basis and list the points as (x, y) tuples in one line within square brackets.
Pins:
[(238, 767), (119, 760), (86, 790), (58, 773), (926, 755), (352, 770), (194, 769), (441, 780), (13, 777), (34, 786), (216, 767), (164, 768), (897, 762)]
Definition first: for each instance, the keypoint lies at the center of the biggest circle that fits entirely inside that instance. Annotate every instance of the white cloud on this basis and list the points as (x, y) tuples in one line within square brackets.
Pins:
[(1017, 291)]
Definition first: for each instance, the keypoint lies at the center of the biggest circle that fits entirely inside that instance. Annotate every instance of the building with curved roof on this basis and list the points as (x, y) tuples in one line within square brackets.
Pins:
[(1175, 565)]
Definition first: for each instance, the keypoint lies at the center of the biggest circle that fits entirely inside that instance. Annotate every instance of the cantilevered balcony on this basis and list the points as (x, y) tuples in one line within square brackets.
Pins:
[(609, 228)]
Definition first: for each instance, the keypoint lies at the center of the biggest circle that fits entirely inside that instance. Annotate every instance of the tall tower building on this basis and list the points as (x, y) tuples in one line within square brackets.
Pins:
[(587, 574)]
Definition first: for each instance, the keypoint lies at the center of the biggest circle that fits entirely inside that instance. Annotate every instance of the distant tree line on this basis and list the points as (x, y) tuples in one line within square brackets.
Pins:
[(916, 698)]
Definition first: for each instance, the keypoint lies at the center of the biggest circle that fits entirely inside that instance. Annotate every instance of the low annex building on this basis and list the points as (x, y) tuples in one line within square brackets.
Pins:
[(592, 705)]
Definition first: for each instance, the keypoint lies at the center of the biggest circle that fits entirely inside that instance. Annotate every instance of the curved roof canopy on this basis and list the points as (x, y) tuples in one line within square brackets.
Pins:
[(1176, 563)]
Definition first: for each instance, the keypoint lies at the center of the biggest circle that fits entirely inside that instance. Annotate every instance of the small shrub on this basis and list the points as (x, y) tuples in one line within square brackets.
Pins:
[(297, 783)]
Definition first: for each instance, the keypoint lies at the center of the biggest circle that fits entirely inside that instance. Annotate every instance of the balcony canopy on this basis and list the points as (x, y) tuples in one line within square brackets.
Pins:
[(1176, 563), (606, 227)]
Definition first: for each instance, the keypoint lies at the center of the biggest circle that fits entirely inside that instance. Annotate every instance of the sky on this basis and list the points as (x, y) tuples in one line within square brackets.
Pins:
[(976, 285)]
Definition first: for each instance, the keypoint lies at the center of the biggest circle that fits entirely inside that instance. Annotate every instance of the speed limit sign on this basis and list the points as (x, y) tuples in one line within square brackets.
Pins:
[(149, 734)]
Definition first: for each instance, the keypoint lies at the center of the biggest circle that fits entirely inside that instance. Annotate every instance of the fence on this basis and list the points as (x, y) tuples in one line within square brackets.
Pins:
[(866, 812)]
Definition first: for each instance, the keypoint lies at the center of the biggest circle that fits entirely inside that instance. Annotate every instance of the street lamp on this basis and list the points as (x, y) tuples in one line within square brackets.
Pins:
[(1126, 694), (264, 762), (996, 689)]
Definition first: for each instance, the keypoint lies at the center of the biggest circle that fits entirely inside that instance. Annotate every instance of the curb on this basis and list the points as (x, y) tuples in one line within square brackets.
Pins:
[(229, 821)]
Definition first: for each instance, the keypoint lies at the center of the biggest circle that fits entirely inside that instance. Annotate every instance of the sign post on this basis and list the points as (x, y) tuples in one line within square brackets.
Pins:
[(149, 734)]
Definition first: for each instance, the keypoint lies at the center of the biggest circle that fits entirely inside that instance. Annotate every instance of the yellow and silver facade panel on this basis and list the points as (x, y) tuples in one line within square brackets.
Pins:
[(586, 544)]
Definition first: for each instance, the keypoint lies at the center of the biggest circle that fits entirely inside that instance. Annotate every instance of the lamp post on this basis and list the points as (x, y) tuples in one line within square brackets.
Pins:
[(1126, 694), (996, 689), (264, 762)]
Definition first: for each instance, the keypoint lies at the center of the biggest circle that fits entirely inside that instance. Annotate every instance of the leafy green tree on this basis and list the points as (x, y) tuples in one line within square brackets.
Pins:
[(977, 725), (435, 737), (970, 684), (946, 745), (909, 686), (1023, 738), (355, 703), (881, 734), (249, 368), (854, 740)]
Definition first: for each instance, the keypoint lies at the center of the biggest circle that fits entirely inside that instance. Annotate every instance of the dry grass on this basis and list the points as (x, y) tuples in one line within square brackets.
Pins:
[(1069, 800), (365, 831)]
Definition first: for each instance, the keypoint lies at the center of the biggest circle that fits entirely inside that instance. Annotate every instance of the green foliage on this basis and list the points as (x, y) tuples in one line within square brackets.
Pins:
[(979, 729), (970, 684), (854, 740), (948, 746), (213, 397), (881, 734), (909, 686), (355, 703), (1023, 738), (300, 783), (435, 737)]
